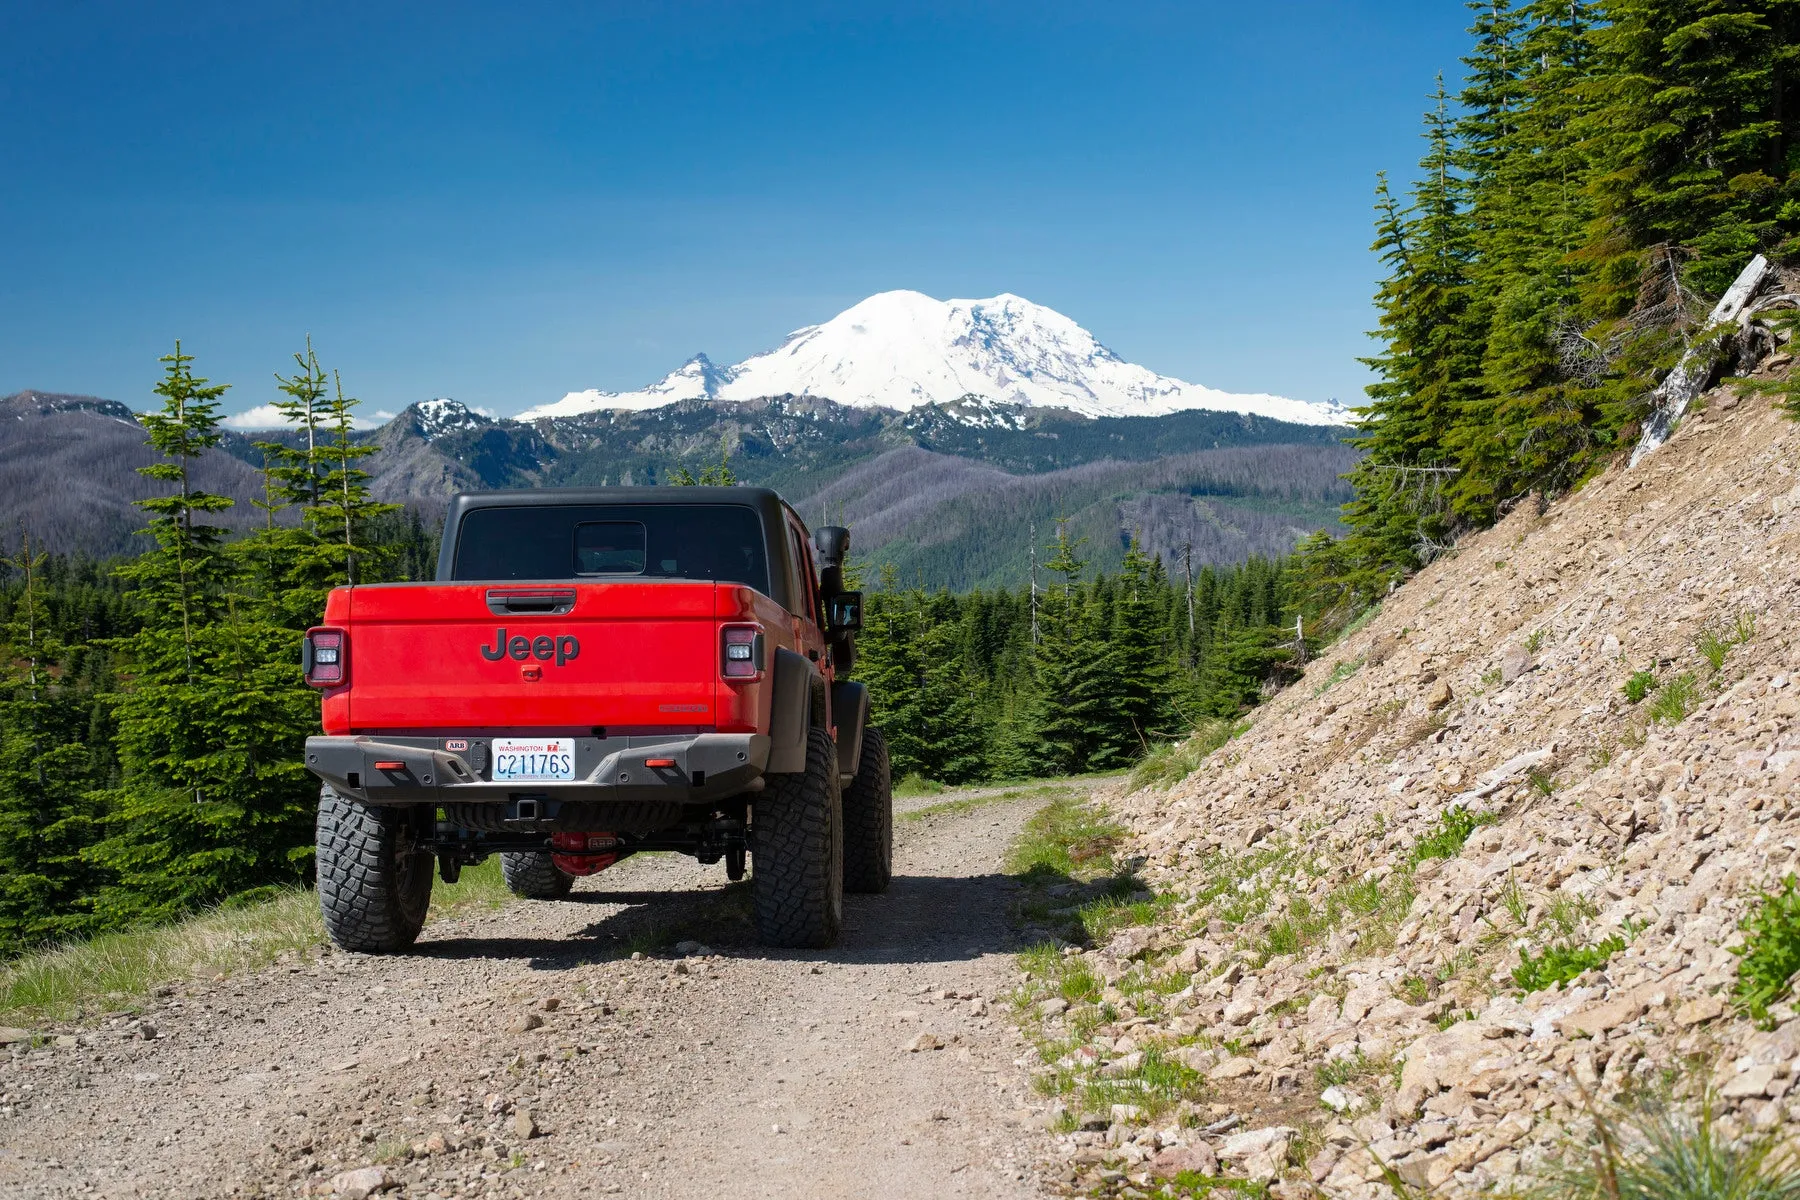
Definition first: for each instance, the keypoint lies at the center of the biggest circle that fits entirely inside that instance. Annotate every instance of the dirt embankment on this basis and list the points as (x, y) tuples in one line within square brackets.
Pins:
[(521, 1053), (1465, 780)]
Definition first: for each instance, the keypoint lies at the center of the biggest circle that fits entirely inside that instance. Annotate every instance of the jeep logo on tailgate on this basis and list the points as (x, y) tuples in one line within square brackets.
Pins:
[(519, 647)]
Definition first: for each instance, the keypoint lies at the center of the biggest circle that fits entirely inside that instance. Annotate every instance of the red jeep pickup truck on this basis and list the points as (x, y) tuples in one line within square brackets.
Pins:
[(596, 672)]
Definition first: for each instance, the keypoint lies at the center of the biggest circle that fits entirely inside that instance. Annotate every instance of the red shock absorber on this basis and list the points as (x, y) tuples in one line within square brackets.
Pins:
[(583, 853)]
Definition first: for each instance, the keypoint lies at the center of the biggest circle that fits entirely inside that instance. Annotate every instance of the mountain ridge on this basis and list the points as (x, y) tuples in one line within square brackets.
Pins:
[(951, 492)]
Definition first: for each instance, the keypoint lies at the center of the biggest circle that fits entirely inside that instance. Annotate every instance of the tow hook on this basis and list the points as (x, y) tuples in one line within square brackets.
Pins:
[(583, 853)]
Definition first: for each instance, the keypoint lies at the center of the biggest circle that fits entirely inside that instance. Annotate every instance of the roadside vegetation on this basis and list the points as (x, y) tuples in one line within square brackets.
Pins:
[(118, 970)]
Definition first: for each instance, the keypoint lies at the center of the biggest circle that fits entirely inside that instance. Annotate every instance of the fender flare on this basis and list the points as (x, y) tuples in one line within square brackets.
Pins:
[(791, 711), (850, 709)]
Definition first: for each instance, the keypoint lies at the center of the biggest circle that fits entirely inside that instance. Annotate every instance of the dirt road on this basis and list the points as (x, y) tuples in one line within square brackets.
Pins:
[(522, 1052)]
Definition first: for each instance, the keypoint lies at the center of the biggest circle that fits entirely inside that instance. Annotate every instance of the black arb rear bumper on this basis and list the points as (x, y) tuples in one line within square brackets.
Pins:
[(611, 774)]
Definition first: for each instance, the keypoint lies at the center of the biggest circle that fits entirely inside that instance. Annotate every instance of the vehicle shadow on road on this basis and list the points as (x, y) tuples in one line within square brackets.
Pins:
[(920, 919)]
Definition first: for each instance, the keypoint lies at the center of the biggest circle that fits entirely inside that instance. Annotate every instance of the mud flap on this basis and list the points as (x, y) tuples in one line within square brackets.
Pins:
[(850, 710), (790, 715)]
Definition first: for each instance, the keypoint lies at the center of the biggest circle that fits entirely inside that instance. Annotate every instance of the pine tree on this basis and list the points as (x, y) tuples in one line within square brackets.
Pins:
[(887, 662), (345, 515), (212, 800), (952, 741), (1136, 666), (47, 817), (1068, 716)]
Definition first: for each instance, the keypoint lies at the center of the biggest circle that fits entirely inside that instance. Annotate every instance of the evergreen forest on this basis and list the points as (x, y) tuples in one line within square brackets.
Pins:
[(1604, 171)]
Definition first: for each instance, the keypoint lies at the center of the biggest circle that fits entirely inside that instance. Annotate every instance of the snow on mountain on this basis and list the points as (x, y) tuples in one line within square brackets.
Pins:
[(443, 415), (904, 349)]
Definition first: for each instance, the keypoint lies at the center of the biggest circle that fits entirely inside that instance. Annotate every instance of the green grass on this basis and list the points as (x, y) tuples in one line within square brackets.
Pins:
[(1339, 673), (1171, 762), (1514, 900), (1674, 700), (1454, 827), (1066, 838), (1377, 907), (1715, 646), (1338, 1071), (916, 784), (1156, 1085), (1655, 1151), (1641, 684), (1771, 951), (1561, 962), (118, 970)]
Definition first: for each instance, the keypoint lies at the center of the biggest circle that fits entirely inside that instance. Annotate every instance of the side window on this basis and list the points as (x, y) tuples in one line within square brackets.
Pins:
[(806, 602)]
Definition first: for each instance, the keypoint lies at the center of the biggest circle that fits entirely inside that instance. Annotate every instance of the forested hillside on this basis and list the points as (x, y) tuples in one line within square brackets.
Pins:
[(950, 490), (1599, 179), (1086, 673)]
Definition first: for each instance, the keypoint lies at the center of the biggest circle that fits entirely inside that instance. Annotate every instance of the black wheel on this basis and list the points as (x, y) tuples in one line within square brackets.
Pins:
[(797, 849), (532, 875), (374, 881), (869, 819)]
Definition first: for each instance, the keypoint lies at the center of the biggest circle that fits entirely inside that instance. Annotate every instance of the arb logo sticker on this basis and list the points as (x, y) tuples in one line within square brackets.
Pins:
[(542, 647)]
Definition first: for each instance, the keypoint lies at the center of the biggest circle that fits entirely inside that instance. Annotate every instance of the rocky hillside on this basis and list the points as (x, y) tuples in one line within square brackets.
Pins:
[(1486, 860), (68, 475)]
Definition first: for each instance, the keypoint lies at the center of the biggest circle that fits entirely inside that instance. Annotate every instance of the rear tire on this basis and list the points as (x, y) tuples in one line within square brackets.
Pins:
[(869, 819), (374, 883), (532, 875), (797, 849)]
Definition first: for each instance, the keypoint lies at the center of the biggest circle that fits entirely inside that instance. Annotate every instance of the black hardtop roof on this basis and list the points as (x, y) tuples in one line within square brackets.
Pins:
[(751, 497), (765, 501), (767, 504)]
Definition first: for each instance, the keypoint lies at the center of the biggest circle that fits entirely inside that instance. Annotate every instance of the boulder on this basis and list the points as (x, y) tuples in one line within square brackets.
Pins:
[(1176, 1160)]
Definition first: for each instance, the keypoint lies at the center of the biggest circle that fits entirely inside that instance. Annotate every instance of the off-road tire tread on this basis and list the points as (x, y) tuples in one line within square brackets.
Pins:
[(368, 903), (797, 881), (869, 819), (532, 875)]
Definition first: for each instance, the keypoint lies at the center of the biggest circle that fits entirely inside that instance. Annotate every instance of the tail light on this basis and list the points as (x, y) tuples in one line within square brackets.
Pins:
[(741, 651), (325, 657)]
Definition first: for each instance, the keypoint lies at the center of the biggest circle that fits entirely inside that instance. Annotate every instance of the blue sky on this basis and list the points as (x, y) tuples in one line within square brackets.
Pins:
[(502, 203)]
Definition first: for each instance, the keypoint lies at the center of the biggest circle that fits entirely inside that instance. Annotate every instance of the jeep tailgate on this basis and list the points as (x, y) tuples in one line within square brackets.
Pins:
[(450, 656)]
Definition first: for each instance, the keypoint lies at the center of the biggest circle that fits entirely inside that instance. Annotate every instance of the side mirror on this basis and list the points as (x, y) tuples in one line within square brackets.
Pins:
[(843, 612), (832, 543)]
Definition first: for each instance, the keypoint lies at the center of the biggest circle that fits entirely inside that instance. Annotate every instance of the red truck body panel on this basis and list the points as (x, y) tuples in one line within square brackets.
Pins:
[(630, 657)]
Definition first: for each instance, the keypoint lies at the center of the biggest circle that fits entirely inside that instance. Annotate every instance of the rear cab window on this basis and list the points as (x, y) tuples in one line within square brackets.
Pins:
[(718, 542)]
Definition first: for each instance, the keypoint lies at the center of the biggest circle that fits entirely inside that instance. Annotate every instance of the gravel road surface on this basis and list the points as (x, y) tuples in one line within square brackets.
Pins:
[(524, 1052)]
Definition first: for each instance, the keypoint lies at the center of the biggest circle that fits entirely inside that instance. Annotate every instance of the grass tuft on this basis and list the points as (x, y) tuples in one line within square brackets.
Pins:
[(1172, 762), (915, 784), (1654, 1151), (1674, 700), (1065, 837), (1455, 825)]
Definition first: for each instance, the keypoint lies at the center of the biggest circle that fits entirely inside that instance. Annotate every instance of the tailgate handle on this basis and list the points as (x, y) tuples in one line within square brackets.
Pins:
[(550, 602)]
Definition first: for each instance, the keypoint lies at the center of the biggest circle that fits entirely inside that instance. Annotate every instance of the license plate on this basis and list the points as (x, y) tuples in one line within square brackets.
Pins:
[(539, 759)]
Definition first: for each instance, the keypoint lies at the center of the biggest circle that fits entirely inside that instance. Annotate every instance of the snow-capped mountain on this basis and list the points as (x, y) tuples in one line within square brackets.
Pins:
[(903, 349)]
